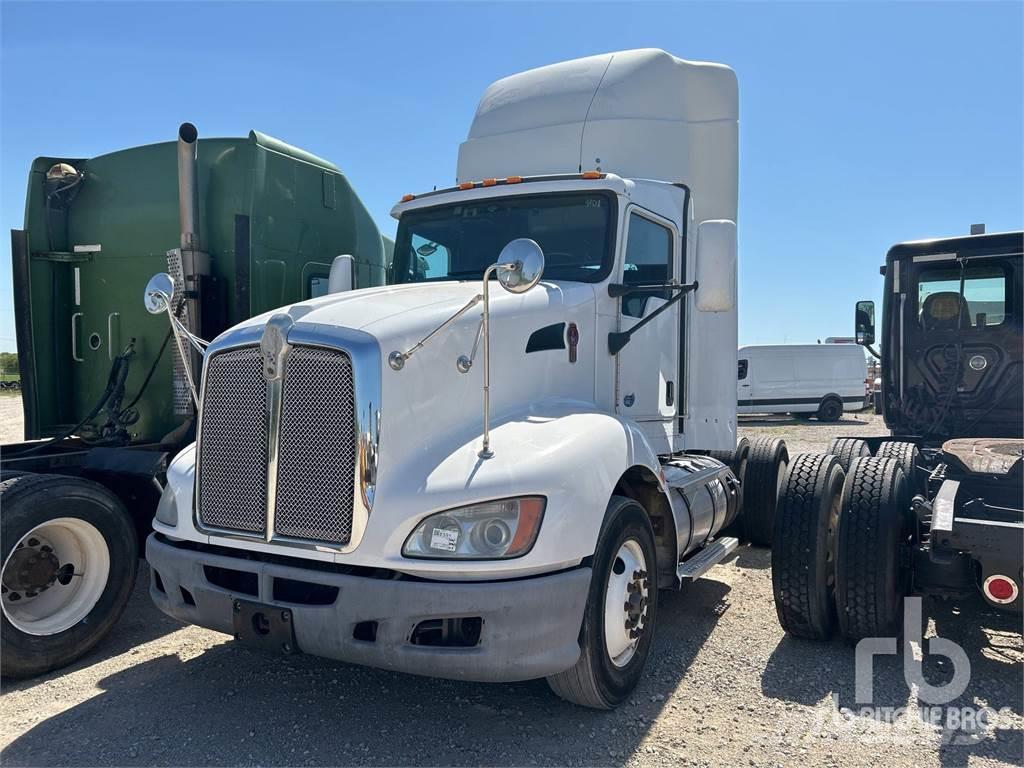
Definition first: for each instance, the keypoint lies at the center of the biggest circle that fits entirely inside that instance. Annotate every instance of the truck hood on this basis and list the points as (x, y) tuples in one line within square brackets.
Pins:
[(398, 313), (531, 360)]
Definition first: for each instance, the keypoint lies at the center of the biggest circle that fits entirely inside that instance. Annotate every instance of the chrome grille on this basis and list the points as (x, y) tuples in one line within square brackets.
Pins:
[(316, 445), (317, 448), (233, 443)]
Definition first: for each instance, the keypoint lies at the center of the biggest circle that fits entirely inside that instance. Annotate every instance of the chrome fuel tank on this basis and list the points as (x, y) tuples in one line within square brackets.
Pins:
[(704, 498)]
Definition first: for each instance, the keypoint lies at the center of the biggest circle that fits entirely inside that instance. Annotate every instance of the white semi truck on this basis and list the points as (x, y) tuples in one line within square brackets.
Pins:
[(451, 478)]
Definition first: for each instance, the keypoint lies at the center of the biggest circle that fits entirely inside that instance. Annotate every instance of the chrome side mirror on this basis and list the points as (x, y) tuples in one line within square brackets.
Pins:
[(520, 265), (157, 299), (158, 294)]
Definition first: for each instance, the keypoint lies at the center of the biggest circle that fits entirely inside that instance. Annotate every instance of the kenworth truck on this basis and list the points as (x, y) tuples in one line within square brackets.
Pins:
[(936, 507), (244, 224), (487, 470)]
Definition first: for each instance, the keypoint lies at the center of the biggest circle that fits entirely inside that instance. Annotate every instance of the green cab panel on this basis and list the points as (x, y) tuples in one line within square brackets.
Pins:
[(271, 217)]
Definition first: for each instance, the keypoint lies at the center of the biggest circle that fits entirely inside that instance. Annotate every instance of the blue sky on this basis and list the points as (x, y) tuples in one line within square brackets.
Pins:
[(861, 124)]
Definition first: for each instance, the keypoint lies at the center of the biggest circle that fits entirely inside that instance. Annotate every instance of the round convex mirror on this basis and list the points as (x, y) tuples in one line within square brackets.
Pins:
[(159, 291), (523, 265)]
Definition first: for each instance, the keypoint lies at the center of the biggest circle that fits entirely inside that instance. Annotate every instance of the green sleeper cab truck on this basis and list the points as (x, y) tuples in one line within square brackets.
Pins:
[(243, 225)]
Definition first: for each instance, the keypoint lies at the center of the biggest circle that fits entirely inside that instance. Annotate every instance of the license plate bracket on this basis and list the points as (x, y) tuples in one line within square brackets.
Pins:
[(268, 627)]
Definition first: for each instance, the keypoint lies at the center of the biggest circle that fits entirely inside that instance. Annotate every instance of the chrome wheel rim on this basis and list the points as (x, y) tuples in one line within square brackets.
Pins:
[(625, 603), (54, 576)]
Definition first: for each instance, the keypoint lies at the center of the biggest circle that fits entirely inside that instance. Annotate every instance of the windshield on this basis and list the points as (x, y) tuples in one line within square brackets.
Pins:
[(459, 241)]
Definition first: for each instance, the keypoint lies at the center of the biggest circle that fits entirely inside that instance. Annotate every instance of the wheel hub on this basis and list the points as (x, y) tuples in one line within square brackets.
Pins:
[(54, 576), (626, 603), (33, 568), (636, 604)]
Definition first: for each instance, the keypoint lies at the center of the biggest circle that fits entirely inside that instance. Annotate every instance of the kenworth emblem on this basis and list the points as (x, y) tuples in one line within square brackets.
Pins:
[(274, 346)]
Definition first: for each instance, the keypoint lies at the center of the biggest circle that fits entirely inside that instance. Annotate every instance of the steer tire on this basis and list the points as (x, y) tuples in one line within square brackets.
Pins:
[(766, 469), (32, 501), (803, 547), (846, 449), (873, 545), (595, 680), (903, 453)]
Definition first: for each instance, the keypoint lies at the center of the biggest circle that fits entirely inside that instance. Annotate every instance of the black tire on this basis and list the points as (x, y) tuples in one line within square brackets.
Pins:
[(595, 681), (904, 454), (830, 410), (803, 547), (31, 500), (846, 449), (737, 461), (766, 469), (875, 533)]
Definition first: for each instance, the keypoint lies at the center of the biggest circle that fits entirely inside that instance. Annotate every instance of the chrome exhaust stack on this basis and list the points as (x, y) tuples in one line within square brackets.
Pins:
[(188, 186), (187, 264)]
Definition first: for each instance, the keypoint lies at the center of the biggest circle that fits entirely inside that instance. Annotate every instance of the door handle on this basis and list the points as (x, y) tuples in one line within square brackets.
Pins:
[(74, 338), (110, 334)]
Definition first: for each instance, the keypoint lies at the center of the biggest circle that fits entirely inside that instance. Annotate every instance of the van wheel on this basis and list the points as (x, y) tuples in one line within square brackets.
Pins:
[(766, 469), (831, 409), (70, 555), (873, 547), (846, 449), (618, 624), (803, 548)]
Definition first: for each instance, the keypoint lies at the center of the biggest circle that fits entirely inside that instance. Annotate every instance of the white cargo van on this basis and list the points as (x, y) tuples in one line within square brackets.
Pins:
[(822, 380)]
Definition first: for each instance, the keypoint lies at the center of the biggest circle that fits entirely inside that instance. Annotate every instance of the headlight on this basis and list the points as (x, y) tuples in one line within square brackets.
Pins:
[(167, 508), (492, 530)]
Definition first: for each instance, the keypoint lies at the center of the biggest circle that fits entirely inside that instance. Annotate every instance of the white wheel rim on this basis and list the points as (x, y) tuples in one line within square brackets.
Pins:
[(64, 582), (625, 603)]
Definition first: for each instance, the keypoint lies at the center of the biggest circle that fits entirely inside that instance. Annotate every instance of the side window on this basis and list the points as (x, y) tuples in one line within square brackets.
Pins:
[(984, 301), (429, 259), (648, 259), (316, 287), (743, 369)]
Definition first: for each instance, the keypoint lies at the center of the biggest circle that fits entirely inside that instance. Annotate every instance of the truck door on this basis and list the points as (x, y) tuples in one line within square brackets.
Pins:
[(647, 367)]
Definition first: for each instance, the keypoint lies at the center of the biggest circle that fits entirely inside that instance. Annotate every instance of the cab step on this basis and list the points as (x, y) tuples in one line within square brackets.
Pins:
[(696, 566)]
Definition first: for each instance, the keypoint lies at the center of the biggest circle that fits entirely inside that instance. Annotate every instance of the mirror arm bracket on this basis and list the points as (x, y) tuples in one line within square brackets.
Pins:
[(616, 341), (397, 359)]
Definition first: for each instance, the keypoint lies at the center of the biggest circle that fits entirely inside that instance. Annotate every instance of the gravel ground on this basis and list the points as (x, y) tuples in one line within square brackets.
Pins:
[(11, 419), (724, 686)]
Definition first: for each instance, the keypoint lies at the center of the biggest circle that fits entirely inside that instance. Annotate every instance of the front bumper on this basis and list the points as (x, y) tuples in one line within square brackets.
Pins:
[(530, 627)]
